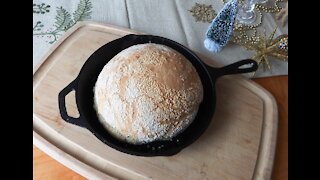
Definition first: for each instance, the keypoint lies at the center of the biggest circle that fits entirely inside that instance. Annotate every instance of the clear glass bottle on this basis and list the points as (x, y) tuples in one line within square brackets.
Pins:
[(246, 13)]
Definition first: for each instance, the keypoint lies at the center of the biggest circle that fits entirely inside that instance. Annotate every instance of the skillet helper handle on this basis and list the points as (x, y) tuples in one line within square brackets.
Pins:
[(62, 105), (236, 68)]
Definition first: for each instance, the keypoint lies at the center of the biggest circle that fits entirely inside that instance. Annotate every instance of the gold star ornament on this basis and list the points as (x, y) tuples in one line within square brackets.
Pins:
[(277, 48)]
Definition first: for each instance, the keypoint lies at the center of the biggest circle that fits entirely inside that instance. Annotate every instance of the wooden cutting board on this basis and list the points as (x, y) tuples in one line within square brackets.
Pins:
[(239, 143)]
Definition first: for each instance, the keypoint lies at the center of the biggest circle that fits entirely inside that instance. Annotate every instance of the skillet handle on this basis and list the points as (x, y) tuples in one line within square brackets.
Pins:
[(234, 68), (62, 105)]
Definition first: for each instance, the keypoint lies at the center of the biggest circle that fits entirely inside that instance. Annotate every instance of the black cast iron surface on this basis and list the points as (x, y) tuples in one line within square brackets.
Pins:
[(85, 81)]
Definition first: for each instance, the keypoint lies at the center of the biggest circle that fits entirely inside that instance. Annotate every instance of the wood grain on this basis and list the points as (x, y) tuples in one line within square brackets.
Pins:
[(244, 126), (278, 87), (44, 167)]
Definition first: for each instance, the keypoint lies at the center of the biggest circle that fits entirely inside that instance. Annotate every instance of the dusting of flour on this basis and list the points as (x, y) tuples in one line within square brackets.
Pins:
[(147, 92)]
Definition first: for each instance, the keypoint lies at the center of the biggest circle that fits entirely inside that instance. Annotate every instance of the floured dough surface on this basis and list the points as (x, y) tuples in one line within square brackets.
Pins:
[(147, 92)]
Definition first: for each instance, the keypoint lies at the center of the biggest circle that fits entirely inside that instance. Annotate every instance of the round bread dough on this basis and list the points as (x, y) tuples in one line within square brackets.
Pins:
[(147, 92)]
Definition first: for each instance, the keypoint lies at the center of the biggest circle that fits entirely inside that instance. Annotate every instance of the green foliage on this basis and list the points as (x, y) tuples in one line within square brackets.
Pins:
[(38, 26), (63, 20), (83, 11), (41, 8)]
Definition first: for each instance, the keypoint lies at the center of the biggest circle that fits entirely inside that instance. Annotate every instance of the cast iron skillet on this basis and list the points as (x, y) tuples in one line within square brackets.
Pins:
[(84, 83)]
